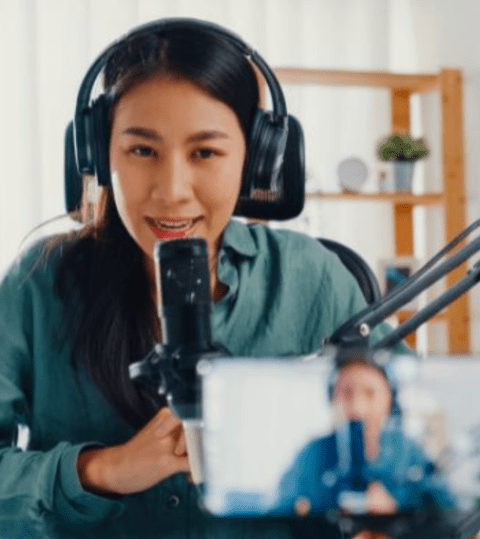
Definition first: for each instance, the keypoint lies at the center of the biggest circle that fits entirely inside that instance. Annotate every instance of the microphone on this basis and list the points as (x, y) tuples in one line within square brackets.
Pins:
[(184, 300), (351, 461), (184, 308), (358, 461)]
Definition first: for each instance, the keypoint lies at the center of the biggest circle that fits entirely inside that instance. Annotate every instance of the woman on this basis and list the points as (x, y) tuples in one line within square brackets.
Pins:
[(388, 471), (76, 310)]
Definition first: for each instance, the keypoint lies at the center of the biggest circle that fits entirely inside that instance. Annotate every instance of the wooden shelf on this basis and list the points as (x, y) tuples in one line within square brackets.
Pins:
[(425, 199), (406, 314), (379, 79), (449, 85)]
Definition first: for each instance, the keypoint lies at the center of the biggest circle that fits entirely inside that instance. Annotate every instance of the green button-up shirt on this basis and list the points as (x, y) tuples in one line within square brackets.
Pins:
[(285, 293)]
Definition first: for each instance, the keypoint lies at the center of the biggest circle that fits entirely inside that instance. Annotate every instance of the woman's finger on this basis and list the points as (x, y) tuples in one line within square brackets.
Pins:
[(165, 422), (181, 447)]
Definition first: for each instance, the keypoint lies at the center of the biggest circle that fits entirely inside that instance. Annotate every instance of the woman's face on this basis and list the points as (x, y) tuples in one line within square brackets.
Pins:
[(176, 157), (363, 394)]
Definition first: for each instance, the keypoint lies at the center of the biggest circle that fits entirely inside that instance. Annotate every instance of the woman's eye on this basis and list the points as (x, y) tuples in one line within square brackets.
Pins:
[(143, 151), (204, 153)]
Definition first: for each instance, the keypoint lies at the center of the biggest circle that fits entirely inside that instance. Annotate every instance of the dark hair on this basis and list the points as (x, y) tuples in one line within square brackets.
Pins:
[(118, 324), (211, 62)]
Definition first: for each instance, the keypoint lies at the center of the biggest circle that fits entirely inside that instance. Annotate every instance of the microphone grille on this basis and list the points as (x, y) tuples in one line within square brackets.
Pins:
[(184, 273)]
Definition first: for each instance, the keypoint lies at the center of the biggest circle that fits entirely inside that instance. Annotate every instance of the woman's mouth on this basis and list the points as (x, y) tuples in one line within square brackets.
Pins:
[(171, 228)]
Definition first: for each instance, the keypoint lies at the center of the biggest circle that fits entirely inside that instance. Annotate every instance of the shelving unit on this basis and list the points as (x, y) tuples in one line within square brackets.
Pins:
[(427, 199), (448, 82)]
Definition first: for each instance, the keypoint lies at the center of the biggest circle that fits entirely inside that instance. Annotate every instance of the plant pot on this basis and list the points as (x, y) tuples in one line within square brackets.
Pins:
[(403, 175)]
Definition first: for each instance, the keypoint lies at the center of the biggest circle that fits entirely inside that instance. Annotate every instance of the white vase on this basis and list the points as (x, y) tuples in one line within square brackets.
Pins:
[(403, 175)]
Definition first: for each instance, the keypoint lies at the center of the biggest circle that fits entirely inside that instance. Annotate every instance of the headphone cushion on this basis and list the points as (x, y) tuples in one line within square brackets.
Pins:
[(266, 148), (73, 180), (100, 111), (289, 197)]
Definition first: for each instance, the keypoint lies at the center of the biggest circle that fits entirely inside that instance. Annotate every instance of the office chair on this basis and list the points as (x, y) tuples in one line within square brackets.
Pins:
[(358, 267)]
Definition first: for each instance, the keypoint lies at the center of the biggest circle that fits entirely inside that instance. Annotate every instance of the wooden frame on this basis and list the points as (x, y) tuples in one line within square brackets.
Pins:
[(449, 83)]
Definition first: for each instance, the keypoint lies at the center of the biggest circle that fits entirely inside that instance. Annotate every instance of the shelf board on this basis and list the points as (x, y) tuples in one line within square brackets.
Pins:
[(406, 314), (378, 79), (425, 199)]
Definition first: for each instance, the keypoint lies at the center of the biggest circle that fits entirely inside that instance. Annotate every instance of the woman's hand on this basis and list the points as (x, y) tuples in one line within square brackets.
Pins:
[(367, 534), (379, 501), (156, 452)]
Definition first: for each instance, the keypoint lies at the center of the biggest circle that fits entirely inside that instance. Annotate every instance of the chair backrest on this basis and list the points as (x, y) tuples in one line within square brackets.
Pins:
[(358, 267)]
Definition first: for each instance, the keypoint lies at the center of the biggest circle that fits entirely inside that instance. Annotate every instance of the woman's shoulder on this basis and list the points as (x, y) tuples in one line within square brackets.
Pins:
[(37, 263), (27, 287), (28, 262), (280, 243), (297, 251), (284, 236)]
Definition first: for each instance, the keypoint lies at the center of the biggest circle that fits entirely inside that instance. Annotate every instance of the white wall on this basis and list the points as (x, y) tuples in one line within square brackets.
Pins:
[(446, 34)]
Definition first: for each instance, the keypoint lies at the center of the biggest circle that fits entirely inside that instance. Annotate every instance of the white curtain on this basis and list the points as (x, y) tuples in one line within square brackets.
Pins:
[(47, 45)]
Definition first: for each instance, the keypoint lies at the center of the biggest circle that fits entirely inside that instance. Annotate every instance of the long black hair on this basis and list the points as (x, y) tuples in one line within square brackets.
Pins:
[(117, 322)]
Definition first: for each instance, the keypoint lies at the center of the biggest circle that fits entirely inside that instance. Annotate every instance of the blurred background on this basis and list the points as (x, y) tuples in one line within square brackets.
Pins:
[(46, 47)]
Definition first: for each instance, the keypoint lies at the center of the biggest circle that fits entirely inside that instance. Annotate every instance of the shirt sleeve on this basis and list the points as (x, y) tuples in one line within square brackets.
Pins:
[(40, 491), (304, 479), (423, 486)]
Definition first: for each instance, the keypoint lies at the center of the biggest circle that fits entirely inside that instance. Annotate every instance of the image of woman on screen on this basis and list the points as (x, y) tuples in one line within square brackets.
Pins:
[(367, 465)]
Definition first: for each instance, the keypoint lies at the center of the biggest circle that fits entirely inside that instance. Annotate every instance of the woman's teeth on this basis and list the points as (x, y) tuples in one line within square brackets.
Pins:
[(182, 225)]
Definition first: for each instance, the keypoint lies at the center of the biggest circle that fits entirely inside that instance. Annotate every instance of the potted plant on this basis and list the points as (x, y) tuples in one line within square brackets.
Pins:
[(404, 151)]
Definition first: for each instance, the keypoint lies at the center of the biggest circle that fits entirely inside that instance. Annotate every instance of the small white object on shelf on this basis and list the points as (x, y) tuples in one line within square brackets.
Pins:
[(352, 174)]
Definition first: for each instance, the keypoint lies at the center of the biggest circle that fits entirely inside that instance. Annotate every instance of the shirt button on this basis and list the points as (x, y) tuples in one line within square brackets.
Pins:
[(173, 501)]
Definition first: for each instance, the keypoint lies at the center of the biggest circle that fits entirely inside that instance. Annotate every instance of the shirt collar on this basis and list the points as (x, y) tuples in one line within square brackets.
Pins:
[(238, 237)]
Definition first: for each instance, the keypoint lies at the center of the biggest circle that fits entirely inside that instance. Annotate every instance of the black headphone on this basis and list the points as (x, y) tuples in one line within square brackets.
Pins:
[(273, 185)]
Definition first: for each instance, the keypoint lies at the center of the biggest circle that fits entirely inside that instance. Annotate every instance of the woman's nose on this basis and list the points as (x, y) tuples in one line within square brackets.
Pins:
[(359, 408), (173, 180)]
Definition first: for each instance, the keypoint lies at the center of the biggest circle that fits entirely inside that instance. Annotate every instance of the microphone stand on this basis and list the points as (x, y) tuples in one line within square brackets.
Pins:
[(416, 320), (355, 332)]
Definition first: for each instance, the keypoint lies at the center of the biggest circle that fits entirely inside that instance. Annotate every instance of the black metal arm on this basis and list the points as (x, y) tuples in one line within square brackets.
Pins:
[(355, 331)]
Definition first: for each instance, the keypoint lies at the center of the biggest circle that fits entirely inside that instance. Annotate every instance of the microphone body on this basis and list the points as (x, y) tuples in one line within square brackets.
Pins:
[(184, 307), (184, 299), (352, 462)]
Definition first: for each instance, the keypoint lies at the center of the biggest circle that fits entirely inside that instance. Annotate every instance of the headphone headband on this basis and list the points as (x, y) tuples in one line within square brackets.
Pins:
[(165, 25), (275, 136)]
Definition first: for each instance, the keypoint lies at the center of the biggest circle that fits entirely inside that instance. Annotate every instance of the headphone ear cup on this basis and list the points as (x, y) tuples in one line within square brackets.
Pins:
[(292, 174), (100, 142), (73, 181), (266, 147), (286, 197)]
